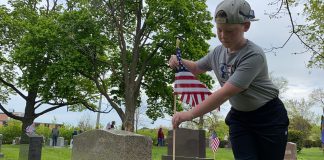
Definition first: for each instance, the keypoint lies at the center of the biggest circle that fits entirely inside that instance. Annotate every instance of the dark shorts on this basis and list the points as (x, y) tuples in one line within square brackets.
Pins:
[(260, 134)]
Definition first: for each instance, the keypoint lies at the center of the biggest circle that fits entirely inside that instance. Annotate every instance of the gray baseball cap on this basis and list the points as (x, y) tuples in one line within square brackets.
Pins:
[(234, 12)]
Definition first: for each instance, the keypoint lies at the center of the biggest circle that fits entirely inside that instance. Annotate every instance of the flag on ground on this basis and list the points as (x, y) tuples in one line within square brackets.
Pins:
[(192, 91), (214, 142)]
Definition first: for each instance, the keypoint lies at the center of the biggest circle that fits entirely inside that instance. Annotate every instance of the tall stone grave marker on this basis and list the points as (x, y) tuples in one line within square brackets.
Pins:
[(1, 154), (291, 151), (111, 145), (189, 145), (33, 150)]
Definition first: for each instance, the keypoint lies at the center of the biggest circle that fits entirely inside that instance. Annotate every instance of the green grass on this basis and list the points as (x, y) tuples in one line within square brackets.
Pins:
[(11, 152)]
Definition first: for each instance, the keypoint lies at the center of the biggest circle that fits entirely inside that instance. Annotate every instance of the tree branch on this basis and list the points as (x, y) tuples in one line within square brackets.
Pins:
[(49, 109), (294, 32), (10, 114), (14, 88)]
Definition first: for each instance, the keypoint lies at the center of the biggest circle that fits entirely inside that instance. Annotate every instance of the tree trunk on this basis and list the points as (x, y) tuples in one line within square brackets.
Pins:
[(29, 117), (129, 119)]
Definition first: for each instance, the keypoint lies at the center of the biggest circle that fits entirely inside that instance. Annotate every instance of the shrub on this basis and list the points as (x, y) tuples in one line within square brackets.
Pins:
[(317, 143), (308, 143), (11, 131), (296, 137), (153, 134), (43, 131), (66, 132)]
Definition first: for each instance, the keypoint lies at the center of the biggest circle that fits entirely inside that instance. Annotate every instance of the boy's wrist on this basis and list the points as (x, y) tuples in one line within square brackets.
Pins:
[(191, 114)]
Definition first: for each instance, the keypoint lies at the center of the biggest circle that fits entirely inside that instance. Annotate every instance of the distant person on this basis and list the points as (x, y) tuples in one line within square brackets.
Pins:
[(160, 137), (108, 126), (75, 132), (55, 134), (112, 126)]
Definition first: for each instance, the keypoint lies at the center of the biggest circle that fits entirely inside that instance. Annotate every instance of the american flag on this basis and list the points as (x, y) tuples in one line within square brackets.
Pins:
[(192, 91), (214, 142)]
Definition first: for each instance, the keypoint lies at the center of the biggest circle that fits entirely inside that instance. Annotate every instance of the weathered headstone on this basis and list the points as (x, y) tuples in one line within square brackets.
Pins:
[(189, 145), (17, 140), (33, 150), (60, 142), (1, 154), (291, 151), (111, 145), (50, 142)]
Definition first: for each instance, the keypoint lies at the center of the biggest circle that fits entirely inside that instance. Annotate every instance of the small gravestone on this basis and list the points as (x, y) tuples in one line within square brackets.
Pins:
[(17, 140), (60, 142), (33, 150), (111, 145), (50, 142), (1, 154), (189, 145), (291, 151)]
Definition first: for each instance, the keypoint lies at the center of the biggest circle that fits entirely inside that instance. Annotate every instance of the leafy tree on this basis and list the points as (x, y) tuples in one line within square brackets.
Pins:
[(141, 39), (281, 83), (317, 96), (32, 64), (315, 133), (313, 32), (300, 108), (300, 124), (84, 123), (310, 33), (300, 115)]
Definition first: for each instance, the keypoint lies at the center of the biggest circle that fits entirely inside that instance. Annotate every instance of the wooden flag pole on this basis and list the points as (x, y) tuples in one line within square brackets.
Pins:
[(174, 133), (214, 156), (174, 111)]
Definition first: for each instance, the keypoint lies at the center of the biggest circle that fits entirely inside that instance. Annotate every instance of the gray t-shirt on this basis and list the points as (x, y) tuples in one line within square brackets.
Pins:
[(246, 69)]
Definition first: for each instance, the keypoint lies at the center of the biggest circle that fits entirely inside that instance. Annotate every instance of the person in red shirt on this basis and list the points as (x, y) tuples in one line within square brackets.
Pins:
[(160, 137)]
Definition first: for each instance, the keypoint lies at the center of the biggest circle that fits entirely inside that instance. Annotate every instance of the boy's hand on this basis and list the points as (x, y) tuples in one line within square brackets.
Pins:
[(180, 117), (173, 62)]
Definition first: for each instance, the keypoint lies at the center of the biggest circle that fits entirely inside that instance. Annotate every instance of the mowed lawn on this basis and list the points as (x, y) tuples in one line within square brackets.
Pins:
[(11, 152)]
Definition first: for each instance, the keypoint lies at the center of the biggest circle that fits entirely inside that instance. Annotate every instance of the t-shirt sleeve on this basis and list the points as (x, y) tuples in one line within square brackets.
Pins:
[(247, 70), (205, 63)]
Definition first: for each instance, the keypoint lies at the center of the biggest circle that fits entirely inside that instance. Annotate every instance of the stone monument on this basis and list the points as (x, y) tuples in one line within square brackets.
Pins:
[(33, 150), (189, 145), (291, 151), (111, 145), (1, 154)]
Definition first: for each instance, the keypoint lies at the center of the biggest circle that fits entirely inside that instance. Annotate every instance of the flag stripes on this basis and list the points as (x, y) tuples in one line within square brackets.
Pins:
[(214, 142), (192, 91)]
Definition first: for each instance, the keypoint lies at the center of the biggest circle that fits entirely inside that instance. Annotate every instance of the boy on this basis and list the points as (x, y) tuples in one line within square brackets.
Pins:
[(258, 121)]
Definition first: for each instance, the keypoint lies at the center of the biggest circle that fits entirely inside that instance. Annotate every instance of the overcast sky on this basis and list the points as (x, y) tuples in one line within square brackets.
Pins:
[(266, 33)]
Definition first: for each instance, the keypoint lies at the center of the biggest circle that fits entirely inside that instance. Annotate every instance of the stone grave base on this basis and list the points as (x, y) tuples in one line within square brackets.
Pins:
[(168, 157), (23, 151)]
